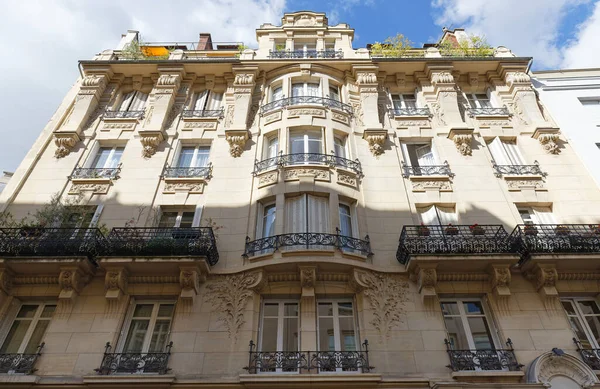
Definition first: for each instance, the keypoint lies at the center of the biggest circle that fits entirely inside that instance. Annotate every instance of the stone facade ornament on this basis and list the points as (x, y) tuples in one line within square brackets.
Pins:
[(64, 141), (237, 141), (426, 282), (549, 365), (319, 174), (363, 78), (376, 140), (463, 143), (6, 281), (115, 283), (190, 279), (443, 77), (243, 79), (308, 278), (548, 138), (71, 281), (150, 141)]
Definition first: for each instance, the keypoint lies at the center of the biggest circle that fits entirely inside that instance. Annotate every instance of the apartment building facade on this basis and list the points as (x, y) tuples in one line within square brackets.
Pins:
[(304, 213)]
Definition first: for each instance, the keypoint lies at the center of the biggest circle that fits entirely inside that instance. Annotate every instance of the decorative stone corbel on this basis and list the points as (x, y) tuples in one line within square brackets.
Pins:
[(426, 282), (473, 79), (548, 138), (358, 280), (209, 81), (137, 81), (462, 139), (376, 140), (190, 279), (6, 281), (400, 79), (308, 276), (65, 141), (115, 283), (150, 141), (237, 141), (500, 278), (544, 275), (71, 280)]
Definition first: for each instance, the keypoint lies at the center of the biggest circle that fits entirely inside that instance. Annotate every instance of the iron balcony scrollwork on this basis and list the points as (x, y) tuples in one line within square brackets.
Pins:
[(488, 111), (157, 241), (306, 100), (308, 241), (331, 160), (42, 241), (203, 113), (556, 238), (518, 170), (80, 173), (124, 114), (318, 54), (134, 363), (410, 111), (309, 361), (440, 170), (591, 356), (483, 359), (19, 363), (188, 171), (451, 239)]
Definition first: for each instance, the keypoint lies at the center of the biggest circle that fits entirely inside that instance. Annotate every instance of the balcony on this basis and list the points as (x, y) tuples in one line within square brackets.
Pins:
[(309, 361), (395, 112), (203, 172), (134, 363), (307, 241), (80, 173), (488, 111), (331, 160), (51, 242), (460, 239), (204, 113), (306, 100), (518, 170), (124, 114), (316, 54), (591, 356), (19, 363), (557, 238), (157, 241), (433, 170), (483, 360)]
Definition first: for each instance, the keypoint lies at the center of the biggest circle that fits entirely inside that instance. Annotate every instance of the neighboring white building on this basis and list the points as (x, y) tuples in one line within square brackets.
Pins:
[(4, 180), (573, 97)]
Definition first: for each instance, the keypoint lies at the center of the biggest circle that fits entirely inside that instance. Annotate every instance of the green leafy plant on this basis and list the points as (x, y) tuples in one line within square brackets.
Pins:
[(134, 51), (394, 46), (279, 47), (474, 46)]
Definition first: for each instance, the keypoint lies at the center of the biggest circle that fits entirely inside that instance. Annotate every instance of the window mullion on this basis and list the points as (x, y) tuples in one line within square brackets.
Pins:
[(586, 328), (336, 327), (465, 321), (150, 331), (31, 328), (280, 311)]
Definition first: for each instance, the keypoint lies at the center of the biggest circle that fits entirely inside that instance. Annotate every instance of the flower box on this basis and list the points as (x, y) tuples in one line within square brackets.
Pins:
[(451, 230), (423, 231), (561, 230), (530, 230), (477, 229)]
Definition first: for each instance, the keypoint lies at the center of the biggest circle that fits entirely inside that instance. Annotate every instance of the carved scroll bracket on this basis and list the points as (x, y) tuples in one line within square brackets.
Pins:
[(150, 141), (308, 276), (237, 141), (545, 276), (190, 279), (71, 280), (548, 138), (426, 283), (64, 141), (115, 283), (462, 138), (376, 139)]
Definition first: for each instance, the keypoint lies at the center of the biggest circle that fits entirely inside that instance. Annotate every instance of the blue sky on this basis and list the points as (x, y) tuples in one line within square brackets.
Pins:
[(41, 40)]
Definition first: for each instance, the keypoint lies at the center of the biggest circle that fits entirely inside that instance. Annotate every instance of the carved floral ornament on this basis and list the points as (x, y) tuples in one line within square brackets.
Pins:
[(363, 78), (237, 141), (64, 143), (549, 143), (549, 365), (463, 143), (169, 80), (443, 77), (376, 140), (150, 141), (243, 79)]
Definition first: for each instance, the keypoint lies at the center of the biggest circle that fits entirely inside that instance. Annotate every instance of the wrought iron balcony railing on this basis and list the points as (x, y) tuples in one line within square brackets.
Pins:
[(19, 363), (92, 173), (307, 241), (42, 241), (488, 111), (285, 54), (188, 172), (124, 114), (518, 170), (441, 170), (309, 361), (203, 113), (306, 159), (306, 100), (591, 356), (410, 111), (450, 239), (557, 238), (482, 360), (134, 363), (157, 241)]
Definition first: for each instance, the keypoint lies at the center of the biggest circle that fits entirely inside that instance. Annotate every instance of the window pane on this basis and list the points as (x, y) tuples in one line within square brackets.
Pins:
[(202, 156), (101, 158), (269, 221), (568, 306), (159, 336), (410, 101), (345, 220), (297, 89), (167, 219), (473, 308), (589, 307), (15, 336), (339, 147), (313, 89), (334, 93), (36, 337), (594, 324), (456, 333), (166, 310), (187, 218), (186, 156), (269, 334), (450, 309), (271, 309), (348, 340), (345, 309), (326, 336), (143, 310), (136, 335), (48, 311), (113, 162), (325, 309), (290, 309), (290, 334), (297, 143), (277, 94), (579, 332), (481, 333), (314, 145)]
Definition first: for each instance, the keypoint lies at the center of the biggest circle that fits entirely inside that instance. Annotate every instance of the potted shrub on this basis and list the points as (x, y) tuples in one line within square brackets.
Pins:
[(530, 229), (476, 229), (451, 230), (561, 229), (423, 230)]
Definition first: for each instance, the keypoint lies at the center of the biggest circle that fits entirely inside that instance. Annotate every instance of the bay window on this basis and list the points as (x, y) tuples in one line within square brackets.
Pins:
[(311, 89), (276, 93), (307, 213), (306, 142)]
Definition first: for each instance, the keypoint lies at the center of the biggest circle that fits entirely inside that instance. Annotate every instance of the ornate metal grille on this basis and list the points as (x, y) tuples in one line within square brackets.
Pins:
[(475, 239), (310, 361), (307, 158), (188, 172), (156, 241), (91, 173), (307, 240), (19, 363), (134, 363), (309, 100), (124, 114), (488, 111), (518, 169), (557, 238), (41, 241), (204, 113), (284, 54), (489, 359), (410, 111), (442, 170), (591, 356)]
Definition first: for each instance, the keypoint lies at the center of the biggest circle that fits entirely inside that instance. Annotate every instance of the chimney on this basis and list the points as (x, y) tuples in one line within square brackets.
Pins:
[(205, 42)]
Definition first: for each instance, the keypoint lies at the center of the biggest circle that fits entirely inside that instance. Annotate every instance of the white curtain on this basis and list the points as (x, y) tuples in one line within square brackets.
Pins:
[(498, 152), (396, 102), (295, 212), (216, 100), (200, 100), (424, 155), (202, 156), (512, 151), (447, 215), (298, 89), (126, 101), (277, 94), (345, 220), (428, 215), (312, 90), (318, 214), (139, 102), (339, 147), (544, 215), (272, 147)]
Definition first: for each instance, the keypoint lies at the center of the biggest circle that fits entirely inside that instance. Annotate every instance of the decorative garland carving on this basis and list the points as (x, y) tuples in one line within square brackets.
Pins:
[(150, 142), (229, 296), (272, 117), (208, 125), (94, 187), (376, 142), (306, 111), (340, 117), (64, 143), (122, 126), (229, 116), (237, 142), (548, 142), (295, 173), (173, 186), (463, 143), (421, 186), (346, 179), (268, 178), (527, 184)]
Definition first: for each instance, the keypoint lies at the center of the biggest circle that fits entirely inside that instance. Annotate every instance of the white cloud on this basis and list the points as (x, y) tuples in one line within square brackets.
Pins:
[(583, 51), (42, 40), (527, 27)]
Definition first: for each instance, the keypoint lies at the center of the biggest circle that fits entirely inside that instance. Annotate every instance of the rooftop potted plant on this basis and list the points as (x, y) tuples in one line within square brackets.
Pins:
[(451, 230), (476, 229)]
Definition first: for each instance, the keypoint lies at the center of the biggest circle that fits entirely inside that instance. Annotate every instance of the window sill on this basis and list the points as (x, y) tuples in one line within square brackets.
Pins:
[(310, 378), (524, 182), (129, 379), (19, 379), (488, 376)]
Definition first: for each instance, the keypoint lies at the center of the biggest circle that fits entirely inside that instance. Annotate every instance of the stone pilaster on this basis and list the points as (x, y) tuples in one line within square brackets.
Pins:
[(308, 277), (236, 120), (115, 283), (444, 96), (523, 101)]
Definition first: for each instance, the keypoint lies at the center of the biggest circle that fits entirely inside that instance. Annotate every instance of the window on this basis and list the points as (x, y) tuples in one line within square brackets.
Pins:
[(505, 152), (404, 102), (479, 100), (307, 213), (347, 224), (28, 329), (82, 217), (584, 317), (336, 327), (334, 93), (179, 218), (207, 100), (277, 93), (339, 145), (307, 48), (305, 89), (536, 215), (266, 221), (302, 142), (467, 325), (279, 328), (107, 157), (437, 215), (193, 156), (133, 101), (419, 154), (148, 327), (271, 147)]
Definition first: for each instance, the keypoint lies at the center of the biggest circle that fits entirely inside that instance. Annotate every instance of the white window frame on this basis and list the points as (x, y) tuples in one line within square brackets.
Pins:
[(267, 142), (535, 214), (344, 146), (91, 161), (305, 46), (339, 92), (180, 211), (337, 338), (280, 320), (34, 321), (507, 156), (260, 221), (275, 87), (305, 88), (304, 133), (406, 155), (473, 98), (400, 98), (353, 221), (175, 161), (148, 338), (581, 318)]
